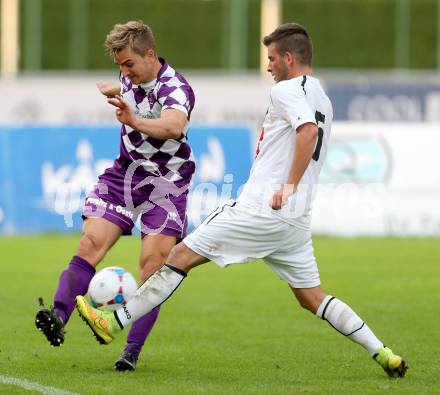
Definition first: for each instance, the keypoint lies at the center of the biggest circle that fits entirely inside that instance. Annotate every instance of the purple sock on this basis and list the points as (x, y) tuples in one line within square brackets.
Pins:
[(73, 281), (140, 330)]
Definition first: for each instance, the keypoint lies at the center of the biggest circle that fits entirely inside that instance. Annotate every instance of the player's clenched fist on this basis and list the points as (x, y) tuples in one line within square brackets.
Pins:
[(108, 89), (280, 197)]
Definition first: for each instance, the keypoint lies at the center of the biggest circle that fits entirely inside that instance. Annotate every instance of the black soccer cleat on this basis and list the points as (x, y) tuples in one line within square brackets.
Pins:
[(50, 324), (126, 362)]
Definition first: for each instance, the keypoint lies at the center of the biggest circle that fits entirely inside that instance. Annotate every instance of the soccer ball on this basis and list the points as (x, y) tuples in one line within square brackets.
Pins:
[(111, 287)]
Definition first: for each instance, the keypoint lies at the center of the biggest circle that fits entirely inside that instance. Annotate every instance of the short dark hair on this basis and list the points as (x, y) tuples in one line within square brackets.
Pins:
[(292, 37), (135, 35)]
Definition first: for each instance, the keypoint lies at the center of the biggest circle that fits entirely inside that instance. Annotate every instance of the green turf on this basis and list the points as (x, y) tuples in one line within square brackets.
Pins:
[(235, 331)]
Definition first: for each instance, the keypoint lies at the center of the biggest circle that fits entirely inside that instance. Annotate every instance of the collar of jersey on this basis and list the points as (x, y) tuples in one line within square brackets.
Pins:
[(147, 86)]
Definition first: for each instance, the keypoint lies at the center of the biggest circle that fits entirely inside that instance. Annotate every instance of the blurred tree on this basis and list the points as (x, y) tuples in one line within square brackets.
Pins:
[(225, 34)]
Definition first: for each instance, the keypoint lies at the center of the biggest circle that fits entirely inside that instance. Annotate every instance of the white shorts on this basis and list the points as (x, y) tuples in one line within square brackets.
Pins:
[(232, 234)]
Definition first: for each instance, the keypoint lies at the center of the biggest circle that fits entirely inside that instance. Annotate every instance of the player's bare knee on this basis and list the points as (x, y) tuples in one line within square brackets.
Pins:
[(90, 249), (151, 260), (148, 264)]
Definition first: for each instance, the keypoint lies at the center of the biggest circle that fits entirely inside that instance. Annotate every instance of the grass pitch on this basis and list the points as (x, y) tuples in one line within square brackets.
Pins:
[(233, 331)]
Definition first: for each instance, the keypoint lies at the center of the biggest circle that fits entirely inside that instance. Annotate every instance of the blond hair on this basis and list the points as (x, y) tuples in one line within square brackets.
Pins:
[(135, 35)]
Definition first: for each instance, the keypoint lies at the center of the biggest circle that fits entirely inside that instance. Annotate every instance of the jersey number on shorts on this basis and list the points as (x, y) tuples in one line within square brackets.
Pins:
[(320, 117)]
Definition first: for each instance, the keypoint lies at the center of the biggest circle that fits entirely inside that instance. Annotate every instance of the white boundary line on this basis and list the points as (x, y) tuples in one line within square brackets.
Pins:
[(30, 386)]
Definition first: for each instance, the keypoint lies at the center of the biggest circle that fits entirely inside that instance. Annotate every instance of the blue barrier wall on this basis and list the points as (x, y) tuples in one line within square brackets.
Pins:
[(385, 101), (45, 172)]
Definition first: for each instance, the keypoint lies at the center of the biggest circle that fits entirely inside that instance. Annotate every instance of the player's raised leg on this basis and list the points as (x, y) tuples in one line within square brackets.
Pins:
[(154, 252), (342, 318), (97, 238), (156, 290)]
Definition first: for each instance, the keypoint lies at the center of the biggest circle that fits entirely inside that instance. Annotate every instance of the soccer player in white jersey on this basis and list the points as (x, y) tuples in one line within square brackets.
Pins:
[(148, 180), (271, 219)]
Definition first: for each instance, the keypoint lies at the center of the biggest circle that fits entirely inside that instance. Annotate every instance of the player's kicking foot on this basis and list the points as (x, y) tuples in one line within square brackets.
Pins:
[(393, 364), (126, 362), (50, 324), (102, 323)]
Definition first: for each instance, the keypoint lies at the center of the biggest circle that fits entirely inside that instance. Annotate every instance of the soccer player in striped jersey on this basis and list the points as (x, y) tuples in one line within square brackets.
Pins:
[(271, 218), (148, 180)]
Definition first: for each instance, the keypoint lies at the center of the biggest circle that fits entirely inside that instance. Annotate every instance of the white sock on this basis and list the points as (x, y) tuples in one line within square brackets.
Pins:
[(342, 318), (150, 294)]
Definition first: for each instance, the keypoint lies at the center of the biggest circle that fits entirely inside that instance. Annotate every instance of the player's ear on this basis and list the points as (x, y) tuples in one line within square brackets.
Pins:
[(150, 53), (289, 57)]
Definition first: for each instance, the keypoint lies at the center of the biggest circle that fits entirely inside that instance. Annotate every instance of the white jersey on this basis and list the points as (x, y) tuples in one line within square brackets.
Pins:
[(293, 103)]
